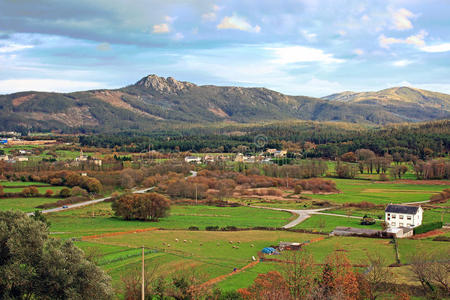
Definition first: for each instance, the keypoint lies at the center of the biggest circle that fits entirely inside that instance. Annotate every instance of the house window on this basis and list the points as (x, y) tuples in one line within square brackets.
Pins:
[(400, 217), (401, 224), (388, 219), (408, 217), (393, 216), (389, 215)]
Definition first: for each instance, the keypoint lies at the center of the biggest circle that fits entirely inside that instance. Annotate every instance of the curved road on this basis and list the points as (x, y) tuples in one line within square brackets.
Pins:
[(75, 205)]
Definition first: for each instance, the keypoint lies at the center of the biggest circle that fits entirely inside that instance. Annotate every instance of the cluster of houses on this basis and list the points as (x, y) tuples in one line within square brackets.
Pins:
[(87, 159), (400, 222), (263, 157), (13, 159)]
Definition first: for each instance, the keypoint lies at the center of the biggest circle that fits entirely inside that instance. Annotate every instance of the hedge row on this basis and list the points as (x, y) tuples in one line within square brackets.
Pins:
[(427, 227)]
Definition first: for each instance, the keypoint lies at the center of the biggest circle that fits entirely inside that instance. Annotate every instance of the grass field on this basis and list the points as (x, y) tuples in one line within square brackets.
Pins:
[(99, 218), (353, 190), (41, 190), (209, 253), (7, 184), (24, 204), (324, 223)]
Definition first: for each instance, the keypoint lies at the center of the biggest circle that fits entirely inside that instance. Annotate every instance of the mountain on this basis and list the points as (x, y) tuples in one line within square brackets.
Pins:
[(411, 103), (156, 102)]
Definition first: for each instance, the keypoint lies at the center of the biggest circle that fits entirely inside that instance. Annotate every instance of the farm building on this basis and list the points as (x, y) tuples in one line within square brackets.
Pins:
[(397, 216), (193, 159), (351, 231)]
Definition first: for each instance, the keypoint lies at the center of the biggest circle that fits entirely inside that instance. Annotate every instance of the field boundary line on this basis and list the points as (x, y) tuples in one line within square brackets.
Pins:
[(97, 236)]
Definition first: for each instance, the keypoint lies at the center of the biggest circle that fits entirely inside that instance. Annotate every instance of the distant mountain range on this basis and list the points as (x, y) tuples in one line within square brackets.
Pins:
[(155, 101)]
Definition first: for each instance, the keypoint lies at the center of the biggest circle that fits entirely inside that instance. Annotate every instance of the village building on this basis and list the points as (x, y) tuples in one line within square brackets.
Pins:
[(280, 153), (193, 159), (82, 157), (21, 158), (399, 216), (4, 157), (208, 158)]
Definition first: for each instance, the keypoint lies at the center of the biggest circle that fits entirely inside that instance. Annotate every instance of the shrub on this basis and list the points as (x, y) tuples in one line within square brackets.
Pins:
[(150, 206), (48, 193), (442, 238), (427, 227), (193, 228), (298, 189), (65, 192), (229, 228), (212, 228)]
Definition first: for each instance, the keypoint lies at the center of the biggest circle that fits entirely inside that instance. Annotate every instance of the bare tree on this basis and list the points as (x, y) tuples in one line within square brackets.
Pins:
[(299, 273), (377, 273)]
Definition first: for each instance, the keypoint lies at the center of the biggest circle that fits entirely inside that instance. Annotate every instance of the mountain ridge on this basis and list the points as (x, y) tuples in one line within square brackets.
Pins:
[(153, 100)]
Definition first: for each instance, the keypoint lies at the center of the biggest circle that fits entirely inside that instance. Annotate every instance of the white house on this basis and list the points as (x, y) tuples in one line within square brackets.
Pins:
[(21, 158), (397, 216), (194, 159), (4, 157)]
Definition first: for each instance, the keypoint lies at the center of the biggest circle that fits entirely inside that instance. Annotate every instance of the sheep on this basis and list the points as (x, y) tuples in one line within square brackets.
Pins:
[(176, 240), (185, 241)]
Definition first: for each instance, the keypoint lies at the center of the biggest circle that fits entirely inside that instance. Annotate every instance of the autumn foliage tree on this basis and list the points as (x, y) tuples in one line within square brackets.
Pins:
[(145, 207), (267, 287)]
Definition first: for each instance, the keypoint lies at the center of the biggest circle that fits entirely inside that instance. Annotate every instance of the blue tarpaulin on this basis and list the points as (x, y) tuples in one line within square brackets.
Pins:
[(268, 250), (3, 141)]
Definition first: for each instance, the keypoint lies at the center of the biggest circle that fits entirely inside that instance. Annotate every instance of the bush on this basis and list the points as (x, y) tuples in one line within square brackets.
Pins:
[(442, 238), (193, 228), (65, 192), (212, 228), (298, 189), (150, 206), (427, 227), (229, 228)]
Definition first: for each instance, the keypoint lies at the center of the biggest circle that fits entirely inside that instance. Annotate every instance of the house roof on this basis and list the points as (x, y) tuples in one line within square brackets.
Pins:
[(402, 209)]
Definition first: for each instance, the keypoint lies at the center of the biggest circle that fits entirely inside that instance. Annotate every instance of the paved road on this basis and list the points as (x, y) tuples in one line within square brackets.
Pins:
[(70, 206), (303, 214)]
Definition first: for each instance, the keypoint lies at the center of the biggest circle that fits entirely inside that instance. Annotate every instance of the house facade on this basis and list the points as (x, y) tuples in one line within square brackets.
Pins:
[(397, 216)]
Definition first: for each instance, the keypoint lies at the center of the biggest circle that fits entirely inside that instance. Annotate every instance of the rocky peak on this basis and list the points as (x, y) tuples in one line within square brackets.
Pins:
[(164, 85)]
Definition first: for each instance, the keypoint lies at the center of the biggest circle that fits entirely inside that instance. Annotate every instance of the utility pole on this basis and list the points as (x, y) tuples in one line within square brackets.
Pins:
[(143, 274), (196, 194)]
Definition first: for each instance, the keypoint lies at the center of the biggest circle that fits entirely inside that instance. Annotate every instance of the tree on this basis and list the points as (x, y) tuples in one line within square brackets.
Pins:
[(339, 281), (377, 273), (349, 157), (34, 266), (150, 206), (65, 192), (299, 273), (48, 193), (267, 287)]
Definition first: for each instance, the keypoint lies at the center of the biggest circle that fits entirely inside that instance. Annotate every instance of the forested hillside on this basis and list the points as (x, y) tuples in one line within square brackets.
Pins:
[(155, 102)]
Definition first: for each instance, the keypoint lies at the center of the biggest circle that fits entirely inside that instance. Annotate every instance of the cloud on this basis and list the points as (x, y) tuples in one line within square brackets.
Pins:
[(417, 40), (358, 52), (178, 36), (309, 35), (169, 19), (161, 28), (13, 48), (47, 85), (103, 47), (298, 54), (401, 19), (402, 63), (238, 23), (211, 16), (436, 48)]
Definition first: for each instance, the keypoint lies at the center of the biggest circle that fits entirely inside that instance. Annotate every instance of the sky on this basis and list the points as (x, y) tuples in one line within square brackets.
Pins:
[(297, 47)]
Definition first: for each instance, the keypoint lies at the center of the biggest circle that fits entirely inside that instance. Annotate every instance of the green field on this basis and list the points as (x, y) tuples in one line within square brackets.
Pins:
[(329, 223), (41, 190), (24, 204), (354, 191), (99, 218), (7, 184)]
